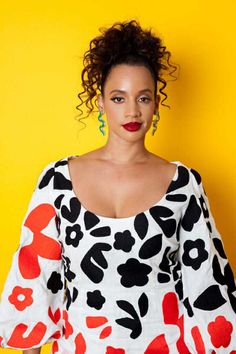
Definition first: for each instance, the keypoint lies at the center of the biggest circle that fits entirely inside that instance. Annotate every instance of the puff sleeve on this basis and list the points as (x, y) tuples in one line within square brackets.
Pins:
[(33, 293), (208, 284)]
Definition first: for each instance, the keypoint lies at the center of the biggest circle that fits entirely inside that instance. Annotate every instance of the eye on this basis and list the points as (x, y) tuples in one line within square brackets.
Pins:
[(146, 99), (114, 98)]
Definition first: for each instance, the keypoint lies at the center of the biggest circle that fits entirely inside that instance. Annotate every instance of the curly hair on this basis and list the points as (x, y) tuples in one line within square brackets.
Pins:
[(123, 43)]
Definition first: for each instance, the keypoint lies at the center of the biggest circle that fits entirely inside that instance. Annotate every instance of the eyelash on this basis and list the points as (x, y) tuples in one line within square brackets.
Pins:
[(113, 99)]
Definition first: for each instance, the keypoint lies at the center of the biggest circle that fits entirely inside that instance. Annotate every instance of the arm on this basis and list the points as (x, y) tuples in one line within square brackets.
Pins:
[(32, 351), (207, 278), (30, 303)]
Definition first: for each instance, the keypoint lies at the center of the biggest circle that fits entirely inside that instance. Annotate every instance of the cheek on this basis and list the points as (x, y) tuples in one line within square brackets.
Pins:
[(112, 107), (114, 112)]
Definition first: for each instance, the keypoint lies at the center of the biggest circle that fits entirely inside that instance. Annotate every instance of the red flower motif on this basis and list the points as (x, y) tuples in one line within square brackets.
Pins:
[(21, 303), (55, 317), (55, 347), (18, 338), (111, 350), (220, 331), (80, 344), (41, 245), (68, 329), (158, 345), (170, 310), (97, 321)]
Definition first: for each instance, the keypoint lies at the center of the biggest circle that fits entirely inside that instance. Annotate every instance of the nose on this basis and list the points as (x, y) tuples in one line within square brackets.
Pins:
[(132, 109)]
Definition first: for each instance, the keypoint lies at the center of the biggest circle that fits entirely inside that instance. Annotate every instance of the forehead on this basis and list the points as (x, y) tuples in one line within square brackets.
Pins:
[(126, 77)]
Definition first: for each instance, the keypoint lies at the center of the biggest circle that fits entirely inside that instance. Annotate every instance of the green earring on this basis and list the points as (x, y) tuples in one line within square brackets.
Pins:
[(155, 121), (103, 123)]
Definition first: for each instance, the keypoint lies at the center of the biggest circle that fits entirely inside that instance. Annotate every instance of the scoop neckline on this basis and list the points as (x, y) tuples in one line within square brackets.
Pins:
[(107, 218)]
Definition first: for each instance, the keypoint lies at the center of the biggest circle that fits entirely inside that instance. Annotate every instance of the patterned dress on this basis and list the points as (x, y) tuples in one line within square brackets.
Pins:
[(155, 282)]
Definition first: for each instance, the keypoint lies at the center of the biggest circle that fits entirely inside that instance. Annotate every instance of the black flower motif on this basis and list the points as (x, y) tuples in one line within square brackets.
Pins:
[(133, 322), (54, 282), (124, 241), (133, 273), (224, 276), (188, 307), (71, 298), (69, 275), (190, 258), (58, 223), (204, 207), (73, 235), (95, 299), (179, 289)]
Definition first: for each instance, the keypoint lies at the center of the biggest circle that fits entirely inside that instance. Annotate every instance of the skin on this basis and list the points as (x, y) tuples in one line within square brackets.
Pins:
[(116, 191), (123, 146)]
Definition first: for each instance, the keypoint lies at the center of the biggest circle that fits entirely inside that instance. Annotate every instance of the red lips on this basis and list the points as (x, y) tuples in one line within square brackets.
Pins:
[(132, 126)]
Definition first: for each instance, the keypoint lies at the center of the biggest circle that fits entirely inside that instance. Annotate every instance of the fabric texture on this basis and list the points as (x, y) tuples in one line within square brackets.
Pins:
[(155, 282)]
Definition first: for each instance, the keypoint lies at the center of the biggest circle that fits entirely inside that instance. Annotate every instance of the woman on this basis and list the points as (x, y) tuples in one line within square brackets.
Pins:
[(119, 251)]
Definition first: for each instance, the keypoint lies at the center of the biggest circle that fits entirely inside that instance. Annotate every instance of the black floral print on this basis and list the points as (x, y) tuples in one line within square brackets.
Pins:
[(133, 273), (124, 241), (194, 253), (156, 282), (95, 299), (54, 282), (68, 273), (73, 235)]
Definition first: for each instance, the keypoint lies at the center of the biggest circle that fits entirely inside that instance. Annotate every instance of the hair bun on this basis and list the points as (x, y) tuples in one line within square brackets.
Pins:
[(123, 42)]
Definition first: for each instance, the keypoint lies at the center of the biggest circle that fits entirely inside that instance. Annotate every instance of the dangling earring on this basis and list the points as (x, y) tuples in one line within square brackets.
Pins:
[(103, 123), (155, 121)]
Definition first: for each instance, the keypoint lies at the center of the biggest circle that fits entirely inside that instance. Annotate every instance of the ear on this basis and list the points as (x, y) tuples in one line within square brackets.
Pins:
[(100, 102), (157, 101)]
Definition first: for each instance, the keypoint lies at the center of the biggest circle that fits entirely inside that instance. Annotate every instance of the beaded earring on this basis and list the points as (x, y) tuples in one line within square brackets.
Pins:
[(103, 123), (155, 121)]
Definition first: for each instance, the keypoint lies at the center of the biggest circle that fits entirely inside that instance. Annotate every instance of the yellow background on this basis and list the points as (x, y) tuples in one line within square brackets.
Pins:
[(40, 63)]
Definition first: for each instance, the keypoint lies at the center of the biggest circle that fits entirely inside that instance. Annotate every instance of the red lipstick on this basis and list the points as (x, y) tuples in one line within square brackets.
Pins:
[(132, 126)]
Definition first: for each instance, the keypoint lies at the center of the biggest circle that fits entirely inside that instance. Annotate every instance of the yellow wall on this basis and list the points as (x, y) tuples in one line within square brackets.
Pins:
[(41, 45)]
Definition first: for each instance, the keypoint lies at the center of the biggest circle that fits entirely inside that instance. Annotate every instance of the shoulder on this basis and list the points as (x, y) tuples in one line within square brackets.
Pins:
[(46, 175), (157, 162), (169, 167), (194, 179), (187, 174)]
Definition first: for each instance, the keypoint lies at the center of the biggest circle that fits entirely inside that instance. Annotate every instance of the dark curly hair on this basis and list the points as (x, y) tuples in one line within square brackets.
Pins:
[(123, 43)]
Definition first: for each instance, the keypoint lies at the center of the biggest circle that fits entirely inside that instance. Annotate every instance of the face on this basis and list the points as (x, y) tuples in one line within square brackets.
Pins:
[(128, 97)]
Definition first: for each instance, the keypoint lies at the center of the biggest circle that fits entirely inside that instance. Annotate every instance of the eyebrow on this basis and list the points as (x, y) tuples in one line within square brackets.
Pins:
[(123, 91)]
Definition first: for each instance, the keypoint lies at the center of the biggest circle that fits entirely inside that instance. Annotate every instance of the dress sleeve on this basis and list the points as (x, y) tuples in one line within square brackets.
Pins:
[(33, 293), (208, 283)]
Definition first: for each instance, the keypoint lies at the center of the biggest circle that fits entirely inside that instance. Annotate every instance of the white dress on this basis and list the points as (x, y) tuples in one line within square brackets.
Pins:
[(155, 282)]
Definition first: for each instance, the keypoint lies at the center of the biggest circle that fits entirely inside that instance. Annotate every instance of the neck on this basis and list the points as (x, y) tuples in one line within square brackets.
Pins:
[(125, 152)]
